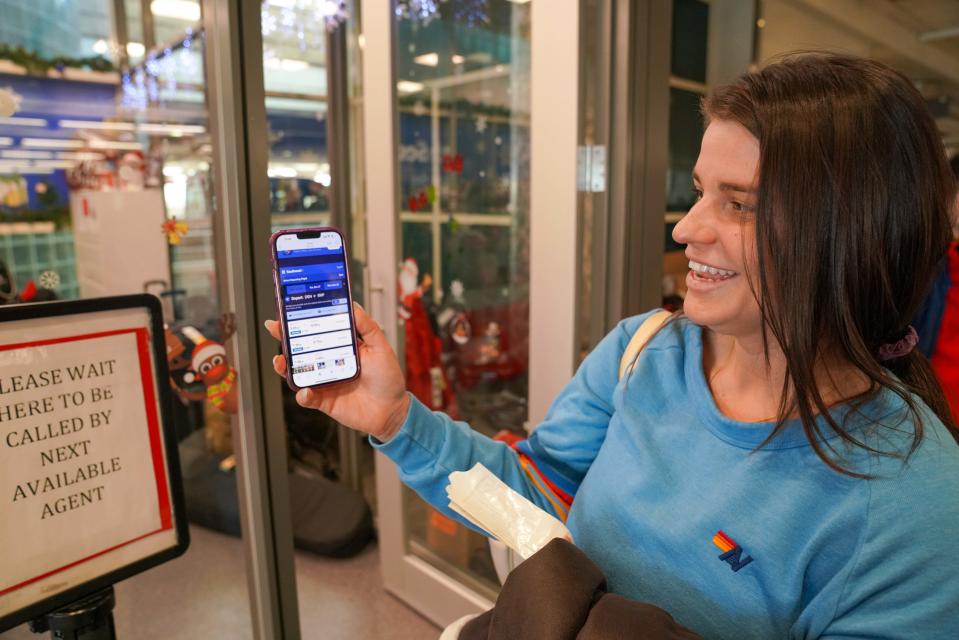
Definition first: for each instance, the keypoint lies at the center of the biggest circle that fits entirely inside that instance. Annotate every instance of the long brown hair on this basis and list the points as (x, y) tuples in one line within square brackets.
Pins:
[(852, 221)]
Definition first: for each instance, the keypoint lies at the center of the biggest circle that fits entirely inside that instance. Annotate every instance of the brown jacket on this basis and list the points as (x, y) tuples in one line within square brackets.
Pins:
[(559, 594)]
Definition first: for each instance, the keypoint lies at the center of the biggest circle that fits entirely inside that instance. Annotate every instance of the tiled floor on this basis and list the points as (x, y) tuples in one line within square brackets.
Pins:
[(203, 595)]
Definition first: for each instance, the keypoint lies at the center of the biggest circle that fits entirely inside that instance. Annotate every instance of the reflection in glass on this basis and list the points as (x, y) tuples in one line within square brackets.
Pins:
[(463, 97), (294, 74), (106, 189)]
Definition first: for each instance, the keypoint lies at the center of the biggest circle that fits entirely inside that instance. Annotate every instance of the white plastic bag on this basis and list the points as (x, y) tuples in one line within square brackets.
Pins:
[(490, 504)]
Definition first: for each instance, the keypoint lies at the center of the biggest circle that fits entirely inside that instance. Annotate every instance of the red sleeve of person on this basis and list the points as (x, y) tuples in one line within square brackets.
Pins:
[(937, 322)]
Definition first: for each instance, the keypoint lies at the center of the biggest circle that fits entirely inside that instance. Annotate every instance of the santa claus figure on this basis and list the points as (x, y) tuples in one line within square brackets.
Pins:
[(425, 377)]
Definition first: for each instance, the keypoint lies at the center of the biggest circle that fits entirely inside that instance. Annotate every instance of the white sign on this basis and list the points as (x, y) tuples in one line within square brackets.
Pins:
[(83, 482)]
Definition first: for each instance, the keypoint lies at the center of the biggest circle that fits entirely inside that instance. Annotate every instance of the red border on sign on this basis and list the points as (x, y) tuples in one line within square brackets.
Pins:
[(153, 429)]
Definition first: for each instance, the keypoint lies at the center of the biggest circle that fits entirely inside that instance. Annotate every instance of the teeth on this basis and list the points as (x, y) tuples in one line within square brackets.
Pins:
[(705, 268)]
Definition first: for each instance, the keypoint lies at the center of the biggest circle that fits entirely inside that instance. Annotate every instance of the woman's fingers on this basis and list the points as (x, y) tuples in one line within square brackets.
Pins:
[(308, 398), (367, 328), (273, 327), (279, 365)]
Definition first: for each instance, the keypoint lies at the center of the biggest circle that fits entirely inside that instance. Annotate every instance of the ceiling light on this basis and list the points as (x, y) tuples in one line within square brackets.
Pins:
[(177, 9), (136, 49), (286, 64), (101, 46), (79, 155), (281, 172), (96, 124), (430, 59), (114, 144), (458, 59), (24, 122), (172, 129), (519, 1), (407, 86), (51, 143), (55, 164), (23, 169), (16, 153)]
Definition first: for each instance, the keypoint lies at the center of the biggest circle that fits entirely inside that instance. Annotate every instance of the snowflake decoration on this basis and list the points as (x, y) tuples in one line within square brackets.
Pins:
[(422, 11), (481, 124), (50, 280), (472, 12), (289, 20), (334, 12)]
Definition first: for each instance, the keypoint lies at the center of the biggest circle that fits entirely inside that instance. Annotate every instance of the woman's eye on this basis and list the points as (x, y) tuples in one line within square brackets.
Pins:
[(698, 193)]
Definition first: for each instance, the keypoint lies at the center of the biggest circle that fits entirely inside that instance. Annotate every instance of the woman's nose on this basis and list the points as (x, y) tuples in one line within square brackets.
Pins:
[(692, 228)]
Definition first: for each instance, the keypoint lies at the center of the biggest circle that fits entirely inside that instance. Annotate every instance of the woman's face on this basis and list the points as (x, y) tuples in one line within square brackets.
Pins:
[(720, 232)]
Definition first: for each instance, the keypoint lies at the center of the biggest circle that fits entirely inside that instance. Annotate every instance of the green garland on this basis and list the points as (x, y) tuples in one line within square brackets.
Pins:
[(36, 65)]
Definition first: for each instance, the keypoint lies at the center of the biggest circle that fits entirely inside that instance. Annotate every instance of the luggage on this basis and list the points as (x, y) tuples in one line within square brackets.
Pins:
[(329, 519)]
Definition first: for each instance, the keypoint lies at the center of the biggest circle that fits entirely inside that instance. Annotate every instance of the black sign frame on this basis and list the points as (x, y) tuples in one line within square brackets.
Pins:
[(21, 312)]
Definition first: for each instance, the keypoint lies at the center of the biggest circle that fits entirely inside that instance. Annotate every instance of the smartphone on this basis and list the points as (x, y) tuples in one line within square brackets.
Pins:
[(315, 307)]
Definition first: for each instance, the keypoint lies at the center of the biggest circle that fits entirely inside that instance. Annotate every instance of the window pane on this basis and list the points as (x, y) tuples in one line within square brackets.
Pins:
[(690, 26), (463, 82)]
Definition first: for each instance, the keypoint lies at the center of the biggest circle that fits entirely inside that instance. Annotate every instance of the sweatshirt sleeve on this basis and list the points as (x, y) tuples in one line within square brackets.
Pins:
[(547, 468), (905, 579)]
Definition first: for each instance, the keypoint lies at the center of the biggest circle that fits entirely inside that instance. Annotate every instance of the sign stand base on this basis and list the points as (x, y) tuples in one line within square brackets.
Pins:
[(90, 618)]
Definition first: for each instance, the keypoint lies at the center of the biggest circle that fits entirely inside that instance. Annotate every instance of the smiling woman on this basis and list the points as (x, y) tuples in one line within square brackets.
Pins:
[(720, 232), (754, 453)]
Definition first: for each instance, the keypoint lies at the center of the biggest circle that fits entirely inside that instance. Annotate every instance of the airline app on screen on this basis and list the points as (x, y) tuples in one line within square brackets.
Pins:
[(312, 274)]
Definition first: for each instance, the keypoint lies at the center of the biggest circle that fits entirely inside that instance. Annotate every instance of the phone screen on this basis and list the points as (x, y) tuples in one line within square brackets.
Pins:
[(313, 286)]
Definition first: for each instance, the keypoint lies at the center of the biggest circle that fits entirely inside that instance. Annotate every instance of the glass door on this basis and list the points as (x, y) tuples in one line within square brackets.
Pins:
[(454, 260), (107, 179)]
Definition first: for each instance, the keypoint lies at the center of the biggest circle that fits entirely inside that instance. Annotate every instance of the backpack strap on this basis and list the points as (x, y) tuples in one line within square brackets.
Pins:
[(636, 344)]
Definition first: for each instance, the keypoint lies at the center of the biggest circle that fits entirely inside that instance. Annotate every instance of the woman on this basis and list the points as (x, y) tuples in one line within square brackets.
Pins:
[(780, 462)]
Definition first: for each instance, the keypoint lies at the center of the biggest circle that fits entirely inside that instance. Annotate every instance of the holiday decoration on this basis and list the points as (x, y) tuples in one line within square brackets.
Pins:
[(37, 65), (453, 164), (422, 200), (481, 124), (131, 171), (207, 364), (175, 230), (49, 280), (141, 86), (425, 377), (472, 12), (29, 292)]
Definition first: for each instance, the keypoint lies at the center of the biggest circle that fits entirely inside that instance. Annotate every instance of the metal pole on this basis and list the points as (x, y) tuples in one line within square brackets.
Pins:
[(338, 155), (238, 127)]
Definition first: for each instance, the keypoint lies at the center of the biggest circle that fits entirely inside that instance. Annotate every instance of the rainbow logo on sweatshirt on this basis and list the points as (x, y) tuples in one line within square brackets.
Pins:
[(732, 553)]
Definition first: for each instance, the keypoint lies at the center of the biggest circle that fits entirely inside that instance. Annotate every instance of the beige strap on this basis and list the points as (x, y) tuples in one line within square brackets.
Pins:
[(636, 344)]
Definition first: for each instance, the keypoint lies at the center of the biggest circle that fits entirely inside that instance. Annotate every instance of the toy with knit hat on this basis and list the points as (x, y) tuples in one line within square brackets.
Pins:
[(208, 364)]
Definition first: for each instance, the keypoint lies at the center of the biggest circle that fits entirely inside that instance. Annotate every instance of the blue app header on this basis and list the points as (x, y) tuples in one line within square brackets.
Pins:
[(308, 253), (312, 273)]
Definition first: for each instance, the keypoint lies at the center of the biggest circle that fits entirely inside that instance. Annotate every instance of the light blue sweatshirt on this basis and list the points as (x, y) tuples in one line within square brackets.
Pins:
[(657, 472)]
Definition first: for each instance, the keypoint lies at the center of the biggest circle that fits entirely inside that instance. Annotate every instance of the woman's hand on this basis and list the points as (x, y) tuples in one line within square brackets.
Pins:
[(376, 402)]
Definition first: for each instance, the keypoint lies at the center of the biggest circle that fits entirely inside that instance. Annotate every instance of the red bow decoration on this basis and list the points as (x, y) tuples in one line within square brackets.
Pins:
[(453, 164)]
